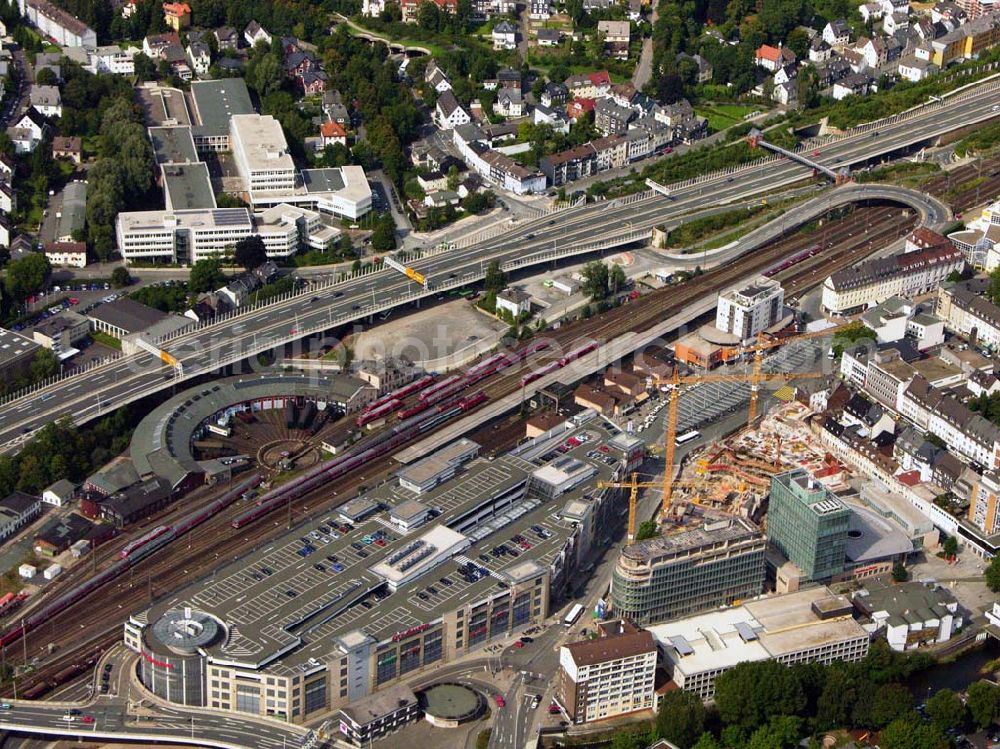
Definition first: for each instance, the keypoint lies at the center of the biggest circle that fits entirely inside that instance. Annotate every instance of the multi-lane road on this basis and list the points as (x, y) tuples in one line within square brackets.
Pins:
[(204, 350)]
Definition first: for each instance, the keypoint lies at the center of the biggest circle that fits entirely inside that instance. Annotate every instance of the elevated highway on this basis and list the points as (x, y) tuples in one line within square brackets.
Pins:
[(573, 231)]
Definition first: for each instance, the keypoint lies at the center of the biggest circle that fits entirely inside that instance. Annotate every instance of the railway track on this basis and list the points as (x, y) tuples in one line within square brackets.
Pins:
[(196, 554)]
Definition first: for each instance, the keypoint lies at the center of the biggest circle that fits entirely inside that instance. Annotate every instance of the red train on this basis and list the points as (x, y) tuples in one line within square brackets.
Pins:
[(434, 389), (144, 540), (794, 260), (400, 393), (383, 411)]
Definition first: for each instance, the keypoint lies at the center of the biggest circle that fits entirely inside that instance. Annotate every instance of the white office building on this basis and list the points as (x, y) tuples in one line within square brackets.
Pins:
[(261, 153), (343, 192), (745, 312), (802, 627), (184, 237)]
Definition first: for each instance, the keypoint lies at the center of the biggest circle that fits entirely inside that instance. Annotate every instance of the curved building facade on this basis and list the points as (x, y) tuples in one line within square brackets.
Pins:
[(172, 666)]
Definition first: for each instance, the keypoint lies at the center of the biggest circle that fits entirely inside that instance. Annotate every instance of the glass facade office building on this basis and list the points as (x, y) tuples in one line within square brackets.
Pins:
[(808, 524), (676, 575)]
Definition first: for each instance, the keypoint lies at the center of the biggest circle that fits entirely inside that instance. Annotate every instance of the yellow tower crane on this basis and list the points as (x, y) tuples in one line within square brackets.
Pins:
[(755, 377)]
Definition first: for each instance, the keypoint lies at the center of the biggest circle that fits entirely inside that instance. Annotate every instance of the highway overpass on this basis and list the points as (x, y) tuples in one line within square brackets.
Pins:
[(573, 231)]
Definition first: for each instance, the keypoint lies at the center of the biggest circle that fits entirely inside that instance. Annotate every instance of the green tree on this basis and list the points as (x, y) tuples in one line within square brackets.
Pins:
[(617, 280), (27, 276), (707, 741), (265, 75), (647, 529), (250, 252), (950, 546), (384, 235), (782, 732), (946, 709), (46, 77), (899, 572), (798, 42), (206, 275), (453, 177), (993, 574), (44, 364), (877, 706), (681, 716), (983, 701), (912, 733), (750, 694), (495, 279), (595, 280), (120, 277)]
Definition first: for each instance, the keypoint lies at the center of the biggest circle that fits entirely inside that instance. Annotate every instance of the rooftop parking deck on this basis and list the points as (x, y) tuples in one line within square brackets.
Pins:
[(328, 578)]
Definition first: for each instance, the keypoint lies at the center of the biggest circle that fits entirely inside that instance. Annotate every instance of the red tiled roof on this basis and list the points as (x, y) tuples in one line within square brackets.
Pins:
[(332, 130), (767, 52)]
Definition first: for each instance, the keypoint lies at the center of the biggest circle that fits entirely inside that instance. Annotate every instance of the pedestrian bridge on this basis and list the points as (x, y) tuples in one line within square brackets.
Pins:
[(756, 138)]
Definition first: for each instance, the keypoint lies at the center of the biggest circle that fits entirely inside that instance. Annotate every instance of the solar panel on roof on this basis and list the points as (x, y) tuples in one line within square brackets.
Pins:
[(681, 645), (746, 631), (229, 217)]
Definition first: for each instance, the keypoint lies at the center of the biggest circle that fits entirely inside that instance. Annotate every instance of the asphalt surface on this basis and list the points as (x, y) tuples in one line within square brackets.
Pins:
[(205, 350)]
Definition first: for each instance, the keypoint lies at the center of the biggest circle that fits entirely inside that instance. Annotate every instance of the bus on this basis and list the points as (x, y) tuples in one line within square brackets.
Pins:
[(573, 615), (683, 438)]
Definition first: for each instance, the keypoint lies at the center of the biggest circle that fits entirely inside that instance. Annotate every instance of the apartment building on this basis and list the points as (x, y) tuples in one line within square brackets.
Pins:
[(808, 626), (112, 59), (873, 281), (676, 575), (609, 676), (968, 40), (745, 312), (66, 29), (966, 434), (261, 153), (984, 501), (967, 311)]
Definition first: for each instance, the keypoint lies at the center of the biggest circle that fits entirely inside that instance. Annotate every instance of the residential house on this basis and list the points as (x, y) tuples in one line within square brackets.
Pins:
[(874, 51), (332, 133), (437, 78), (200, 57), (610, 118), (227, 37), (554, 95), (819, 50), (177, 15), (548, 37), (540, 10), (895, 22), (504, 35), (334, 108), (28, 131), (510, 78), (509, 103), (46, 100), (312, 83), (409, 8), (837, 33), (617, 35), (588, 85), (554, 118), (786, 93), (448, 113), (855, 84), (67, 254), (871, 11), (6, 198), (705, 69), (441, 199), (64, 147), (154, 44), (514, 301), (112, 59), (254, 33)]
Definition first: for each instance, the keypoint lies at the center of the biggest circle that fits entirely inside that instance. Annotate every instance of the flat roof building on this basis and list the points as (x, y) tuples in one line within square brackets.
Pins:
[(911, 614), (811, 625), (380, 613), (744, 312), (425, 474), (261, 153), (173, 145), (378, 715), (342, 192), (123, 317), (215, 103), (72, 214), (181, 236), (808, 524), (16, 353), (187, 186), (670, 576)]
